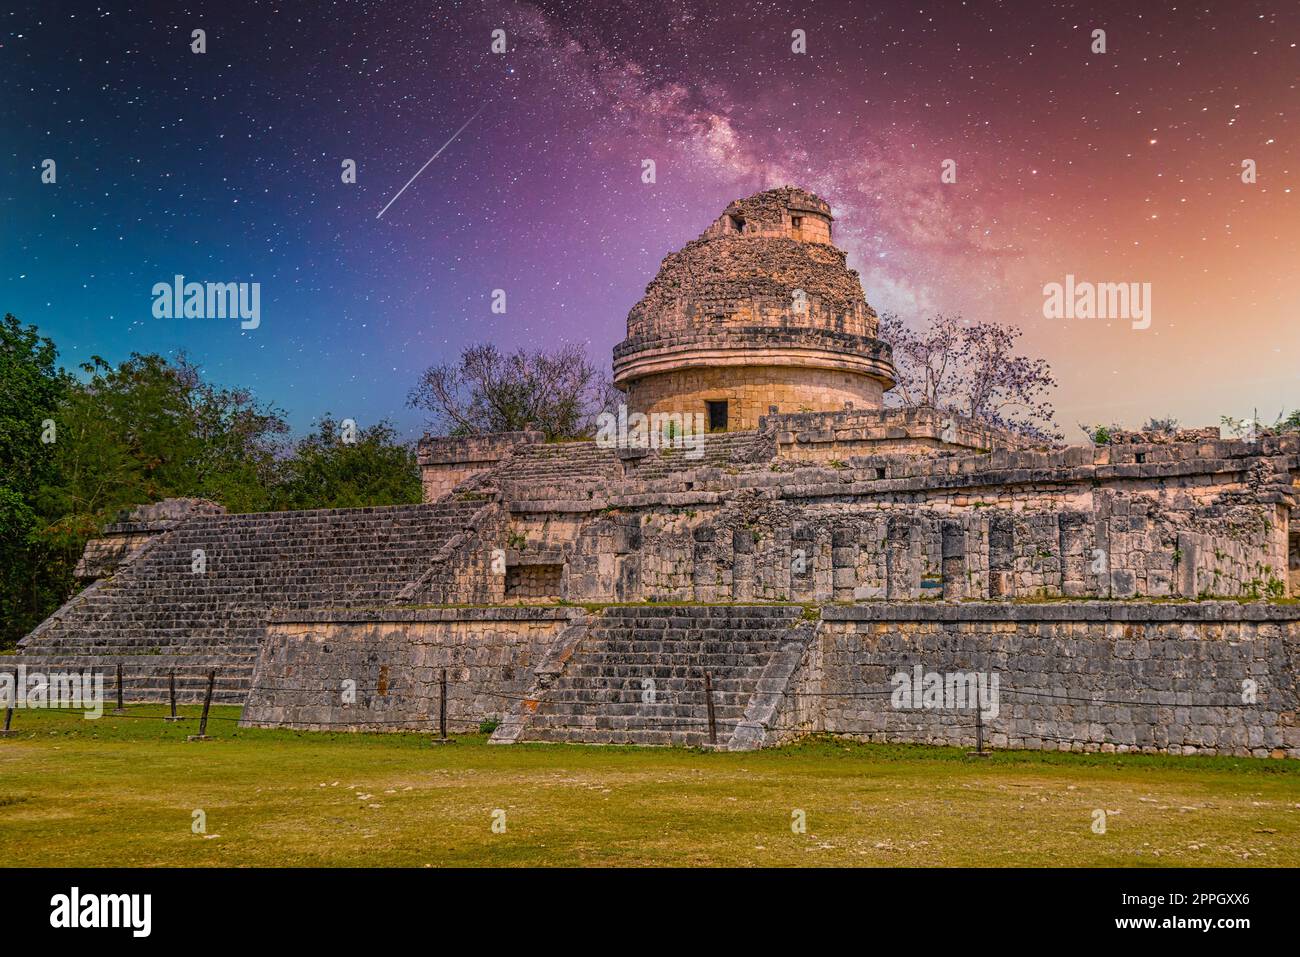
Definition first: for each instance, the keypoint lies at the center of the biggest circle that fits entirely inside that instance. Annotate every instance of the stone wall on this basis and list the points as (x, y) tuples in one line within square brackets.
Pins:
[(751, 390), (533, 581), (1208, 677), (447, 461), (394, 659), (1212, 678), (1133, 521), (121, 541), (825, 437)]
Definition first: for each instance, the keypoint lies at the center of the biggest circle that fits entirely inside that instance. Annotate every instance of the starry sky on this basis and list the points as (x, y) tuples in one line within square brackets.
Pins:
[(1123, 166)]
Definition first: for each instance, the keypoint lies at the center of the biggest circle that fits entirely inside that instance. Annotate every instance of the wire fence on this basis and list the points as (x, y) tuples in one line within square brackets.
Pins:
[(606, 714)]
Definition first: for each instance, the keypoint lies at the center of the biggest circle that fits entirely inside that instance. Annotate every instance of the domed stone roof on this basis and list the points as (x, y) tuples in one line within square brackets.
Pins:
[(763, 285)]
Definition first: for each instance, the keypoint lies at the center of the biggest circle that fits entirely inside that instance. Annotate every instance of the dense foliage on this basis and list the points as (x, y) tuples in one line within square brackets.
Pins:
[(76, 451)]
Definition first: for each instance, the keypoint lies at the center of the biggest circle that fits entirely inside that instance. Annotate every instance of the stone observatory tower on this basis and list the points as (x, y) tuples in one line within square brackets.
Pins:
[(760, 311)]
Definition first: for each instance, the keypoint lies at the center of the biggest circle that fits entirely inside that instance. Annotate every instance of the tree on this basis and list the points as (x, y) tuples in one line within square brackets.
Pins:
[(1100, 434), (332, 468), (558, 392), (972, 369), (140, 431), (32, 572), (151, 428), (1168, 425)]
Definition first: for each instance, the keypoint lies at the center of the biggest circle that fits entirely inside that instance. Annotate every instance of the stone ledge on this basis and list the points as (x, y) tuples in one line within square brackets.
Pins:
[(1062, 611), (366, 615)]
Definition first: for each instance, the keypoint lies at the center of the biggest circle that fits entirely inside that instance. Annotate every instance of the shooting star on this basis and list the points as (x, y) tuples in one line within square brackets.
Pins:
[(431, 159)]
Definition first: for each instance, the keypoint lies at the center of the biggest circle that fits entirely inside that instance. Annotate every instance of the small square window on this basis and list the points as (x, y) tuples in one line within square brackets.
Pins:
[(796, 221)]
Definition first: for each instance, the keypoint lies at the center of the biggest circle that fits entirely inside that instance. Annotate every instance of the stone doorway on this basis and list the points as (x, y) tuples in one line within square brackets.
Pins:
[(717, 414)]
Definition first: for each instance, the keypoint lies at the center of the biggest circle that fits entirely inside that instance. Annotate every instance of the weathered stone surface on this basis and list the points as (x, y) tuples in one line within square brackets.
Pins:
[(1212, 678), (198, 595), (816, 495), (761, 310), (382, 670)]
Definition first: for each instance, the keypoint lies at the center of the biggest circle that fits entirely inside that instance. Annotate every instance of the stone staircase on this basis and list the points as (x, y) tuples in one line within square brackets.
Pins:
[(721, 450), (563, 463), (156, 614), (635, 675)]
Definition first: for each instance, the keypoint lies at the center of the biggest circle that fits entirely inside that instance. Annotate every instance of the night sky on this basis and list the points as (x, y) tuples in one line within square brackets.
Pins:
[(225, 166)]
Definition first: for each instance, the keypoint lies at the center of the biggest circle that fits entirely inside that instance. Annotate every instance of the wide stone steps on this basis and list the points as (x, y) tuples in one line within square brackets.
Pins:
[(719, 451), (599, 696), (158, 607)]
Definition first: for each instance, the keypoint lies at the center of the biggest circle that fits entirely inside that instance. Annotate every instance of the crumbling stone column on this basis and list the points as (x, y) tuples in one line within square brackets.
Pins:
[(803, 559), (844, 561), (704, 570), (954, 560), (900, 573), (742, 564), (1074, 556), (1002, 556)]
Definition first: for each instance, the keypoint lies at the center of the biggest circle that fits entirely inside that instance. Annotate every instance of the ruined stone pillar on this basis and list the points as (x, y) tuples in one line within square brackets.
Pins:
[(1074, 556), (803, 559), (1002, 556), (844, 563), (900, 575), (704, 570), (953, 569), (742, 564)]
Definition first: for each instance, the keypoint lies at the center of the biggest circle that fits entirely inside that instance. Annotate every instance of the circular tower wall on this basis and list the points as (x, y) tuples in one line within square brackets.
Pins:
[(760, 311)]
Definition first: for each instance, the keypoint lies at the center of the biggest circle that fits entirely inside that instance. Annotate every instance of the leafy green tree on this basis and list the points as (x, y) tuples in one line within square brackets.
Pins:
[(151, 428), (32, 569), (338, 467), (1288, 423), (143, 430), (1099, 434)]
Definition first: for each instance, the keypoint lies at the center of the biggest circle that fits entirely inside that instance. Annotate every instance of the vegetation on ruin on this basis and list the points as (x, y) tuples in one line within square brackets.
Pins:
[(127, 789), (79, 448), (974, 369), (558, 392)]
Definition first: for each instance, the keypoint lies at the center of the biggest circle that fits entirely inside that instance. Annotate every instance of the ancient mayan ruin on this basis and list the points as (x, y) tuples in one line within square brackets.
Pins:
[(772, 578)]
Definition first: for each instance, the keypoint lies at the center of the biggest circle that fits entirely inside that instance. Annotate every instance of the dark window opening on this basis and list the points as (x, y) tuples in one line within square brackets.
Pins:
[(717, 415), (738, 223), (796, 221)]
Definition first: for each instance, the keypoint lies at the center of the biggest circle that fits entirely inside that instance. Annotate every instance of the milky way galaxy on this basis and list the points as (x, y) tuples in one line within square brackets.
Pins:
[(1117, 166)]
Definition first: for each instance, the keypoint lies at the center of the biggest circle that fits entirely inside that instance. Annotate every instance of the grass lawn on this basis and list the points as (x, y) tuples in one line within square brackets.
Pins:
[(122, 791)]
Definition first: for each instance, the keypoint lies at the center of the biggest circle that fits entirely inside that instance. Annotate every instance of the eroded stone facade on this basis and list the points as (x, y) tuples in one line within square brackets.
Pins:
[(761, 310), (1131, 596)]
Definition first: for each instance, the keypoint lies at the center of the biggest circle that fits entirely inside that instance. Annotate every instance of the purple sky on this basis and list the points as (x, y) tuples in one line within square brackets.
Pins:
[(225, 166)]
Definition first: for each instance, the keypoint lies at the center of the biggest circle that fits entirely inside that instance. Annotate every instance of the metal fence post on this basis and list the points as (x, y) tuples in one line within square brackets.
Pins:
[(708, 699)]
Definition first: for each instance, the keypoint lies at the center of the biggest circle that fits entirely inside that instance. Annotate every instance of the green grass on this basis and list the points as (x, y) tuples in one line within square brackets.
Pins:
[(122, 791)]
